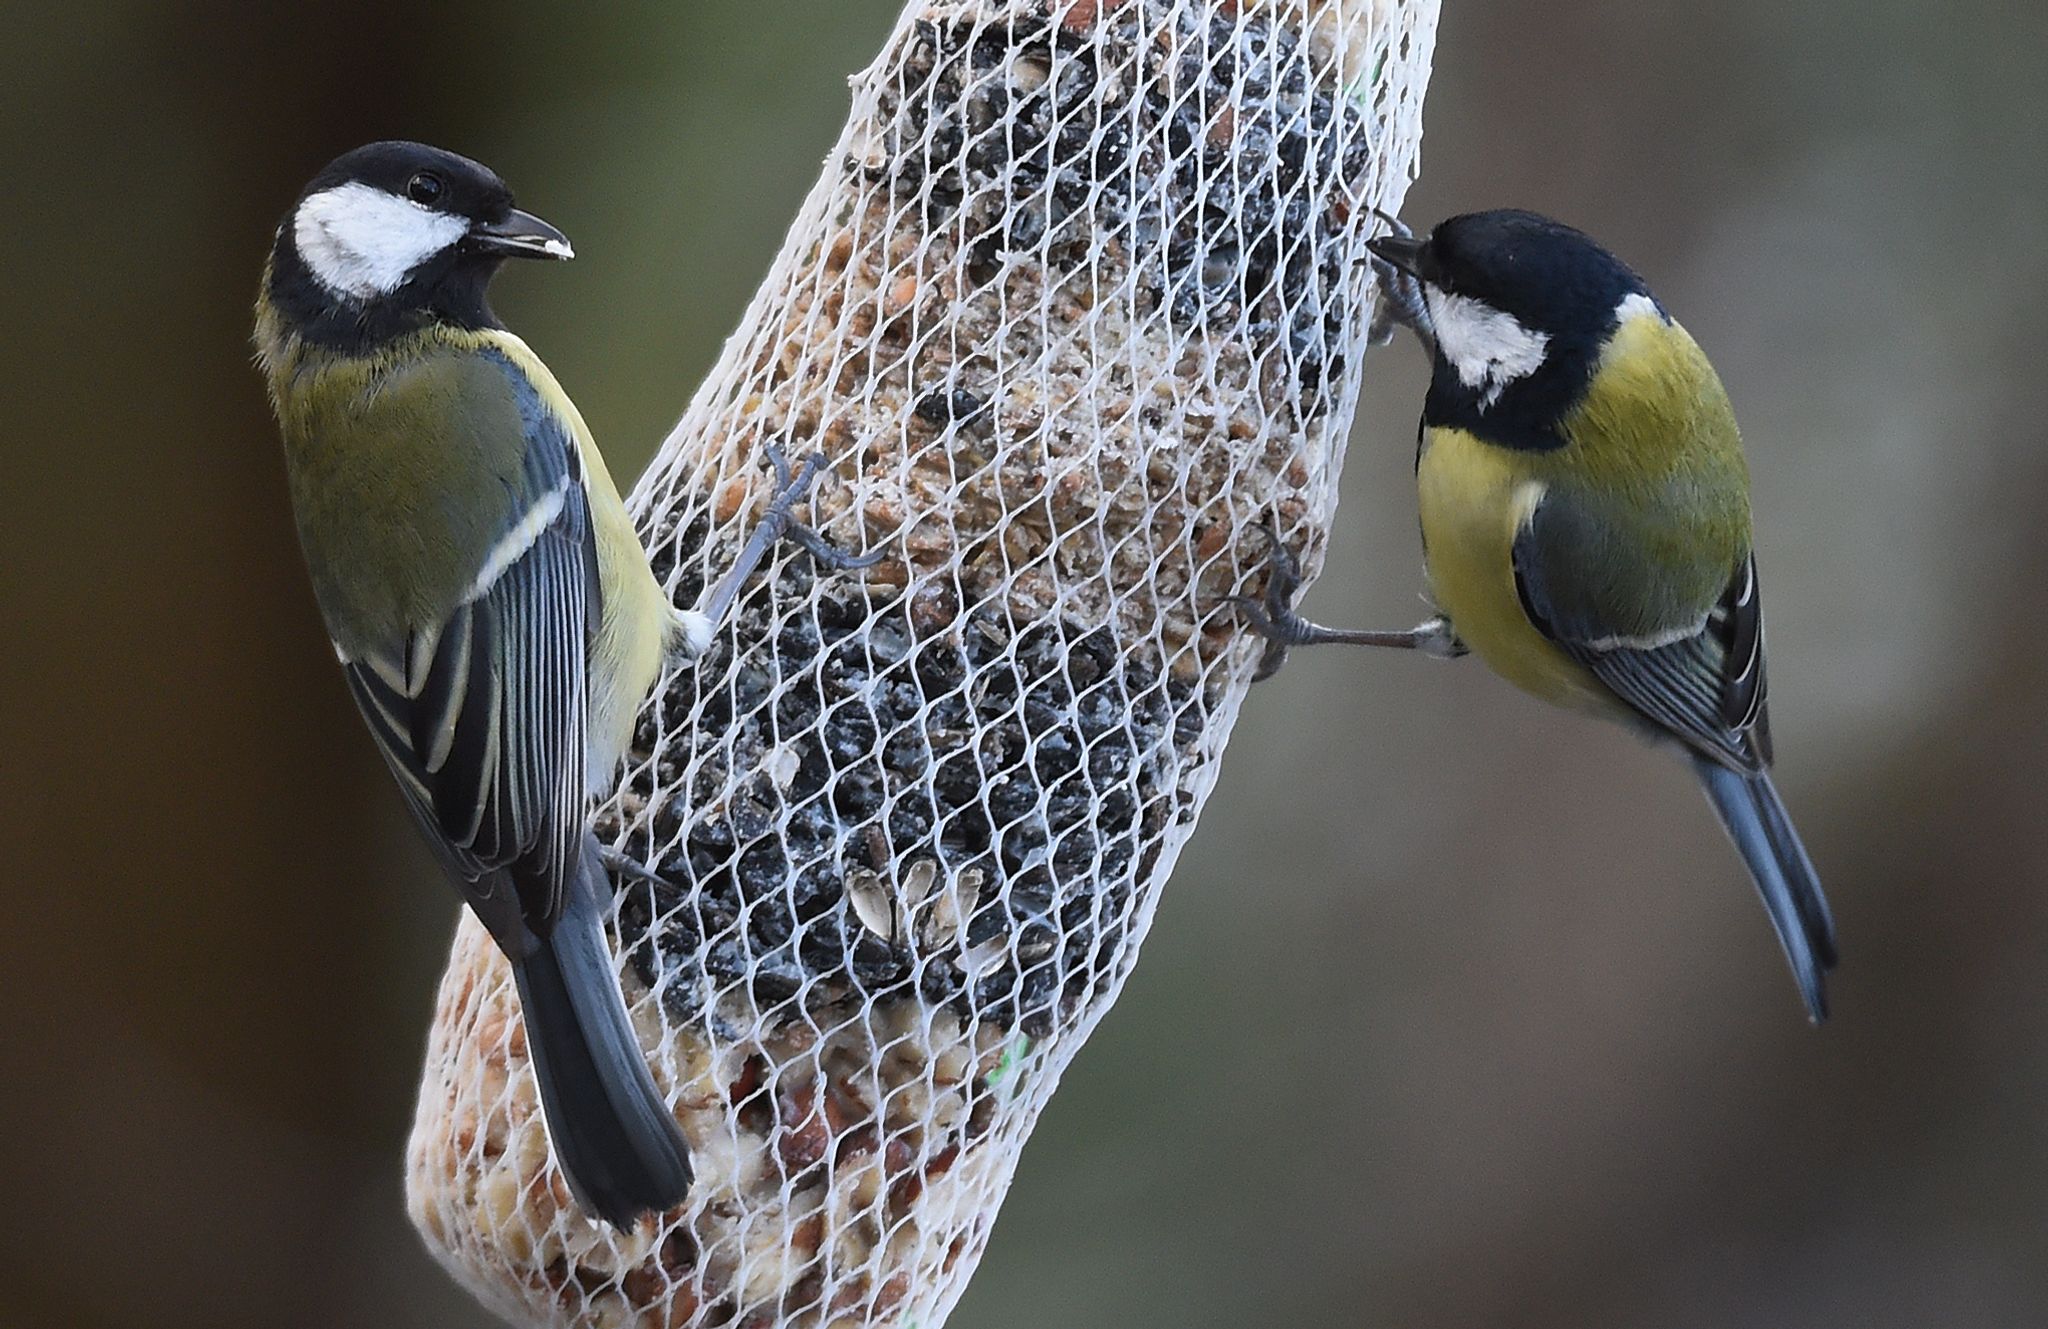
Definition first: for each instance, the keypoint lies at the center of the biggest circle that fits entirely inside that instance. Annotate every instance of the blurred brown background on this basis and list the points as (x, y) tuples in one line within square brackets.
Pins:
[(1457, 1013)]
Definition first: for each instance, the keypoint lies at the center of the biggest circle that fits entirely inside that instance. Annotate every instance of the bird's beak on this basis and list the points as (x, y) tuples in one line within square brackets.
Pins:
[(1403, 251), (520, 235)]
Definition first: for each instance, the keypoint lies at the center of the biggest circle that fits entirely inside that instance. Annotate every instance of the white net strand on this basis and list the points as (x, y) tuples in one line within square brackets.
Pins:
[(1077, 306)]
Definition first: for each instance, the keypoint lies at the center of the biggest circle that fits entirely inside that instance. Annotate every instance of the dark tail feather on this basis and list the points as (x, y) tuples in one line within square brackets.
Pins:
[(1756, 821), (1798, 869), (616, 1141)]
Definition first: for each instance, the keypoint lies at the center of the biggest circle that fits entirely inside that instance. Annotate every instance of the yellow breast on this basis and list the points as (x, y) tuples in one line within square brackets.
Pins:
[(1475, 498)]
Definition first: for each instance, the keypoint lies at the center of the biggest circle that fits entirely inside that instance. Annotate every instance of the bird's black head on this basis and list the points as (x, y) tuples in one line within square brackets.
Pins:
[(1521, 307), (394, 236)]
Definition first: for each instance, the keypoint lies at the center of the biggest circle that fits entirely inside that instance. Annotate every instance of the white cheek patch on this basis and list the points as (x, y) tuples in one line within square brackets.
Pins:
[(1488, 347), (362, 242)]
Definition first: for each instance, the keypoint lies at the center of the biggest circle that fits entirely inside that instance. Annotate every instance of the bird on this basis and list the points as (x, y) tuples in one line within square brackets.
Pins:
[(1586, 529), (489, 600)]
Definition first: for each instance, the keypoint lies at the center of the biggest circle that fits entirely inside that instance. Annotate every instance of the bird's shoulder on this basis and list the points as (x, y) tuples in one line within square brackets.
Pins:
[(1654, 407), (422, 394), (409, 467)]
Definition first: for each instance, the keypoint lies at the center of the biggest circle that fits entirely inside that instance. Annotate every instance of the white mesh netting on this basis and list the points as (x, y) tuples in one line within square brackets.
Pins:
[(1077, 306)]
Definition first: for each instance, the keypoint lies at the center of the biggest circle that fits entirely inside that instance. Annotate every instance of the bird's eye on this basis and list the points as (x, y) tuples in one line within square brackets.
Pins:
[(425, 188)]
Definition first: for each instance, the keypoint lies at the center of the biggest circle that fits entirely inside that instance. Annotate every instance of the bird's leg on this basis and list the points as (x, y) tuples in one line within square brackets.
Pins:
[(777, 522), (1272, 616), (1401, 301)]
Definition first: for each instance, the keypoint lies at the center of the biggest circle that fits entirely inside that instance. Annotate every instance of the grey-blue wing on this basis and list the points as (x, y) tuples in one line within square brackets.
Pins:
[(483, 723), (1703, 685)]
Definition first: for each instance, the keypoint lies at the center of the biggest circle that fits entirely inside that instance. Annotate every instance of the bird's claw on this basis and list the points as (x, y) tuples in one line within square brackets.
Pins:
[(1401, 302), (791, 486), (621, 864), (1271, 615), (777, 522)]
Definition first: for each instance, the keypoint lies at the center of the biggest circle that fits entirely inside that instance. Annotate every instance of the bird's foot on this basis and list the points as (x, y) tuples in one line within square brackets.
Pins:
[(621, 864), (1401, 303), (1273, 617), (1271, 614), (792, 485), (790, 489)]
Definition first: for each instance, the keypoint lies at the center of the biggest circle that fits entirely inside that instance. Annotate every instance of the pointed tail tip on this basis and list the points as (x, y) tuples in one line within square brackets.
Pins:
[(1809, 946), (626, 1172), (1816, 993), (1756, 821), (655, 1187), (1821, 960)]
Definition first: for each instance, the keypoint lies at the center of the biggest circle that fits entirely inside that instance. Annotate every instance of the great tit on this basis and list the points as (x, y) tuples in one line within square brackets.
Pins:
[(488, 597), (1585, 522)]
